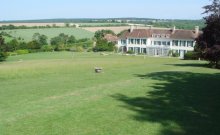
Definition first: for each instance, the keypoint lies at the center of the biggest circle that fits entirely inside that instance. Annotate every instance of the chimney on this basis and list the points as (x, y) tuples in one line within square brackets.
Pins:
[(173, 29), (132, 28), (197, 30)]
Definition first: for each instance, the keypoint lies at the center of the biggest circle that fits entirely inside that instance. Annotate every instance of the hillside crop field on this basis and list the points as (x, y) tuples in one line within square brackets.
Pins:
[(27, 34), (59, 93)]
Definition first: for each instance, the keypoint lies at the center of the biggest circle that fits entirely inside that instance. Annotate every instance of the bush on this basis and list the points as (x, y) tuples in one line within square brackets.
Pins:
[(47, 48), (191, 56), (3, 56), (20, 52), (130, 52), (175, 54), (89, 50), (77, 49)]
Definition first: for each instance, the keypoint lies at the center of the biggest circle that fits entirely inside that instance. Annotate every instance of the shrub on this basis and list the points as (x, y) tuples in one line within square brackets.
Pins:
[(3, 56), (47, 48), (89, 50), (175, 54), (191, 56), (130, 52), (77, 49), (20, 52)]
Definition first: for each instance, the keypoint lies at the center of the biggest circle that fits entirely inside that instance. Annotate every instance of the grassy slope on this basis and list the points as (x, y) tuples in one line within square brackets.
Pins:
[(55, 93), (27, 34)]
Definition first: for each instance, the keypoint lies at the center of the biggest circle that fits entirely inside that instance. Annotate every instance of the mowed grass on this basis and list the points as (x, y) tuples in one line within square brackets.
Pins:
[(59, 93), (27, 34)]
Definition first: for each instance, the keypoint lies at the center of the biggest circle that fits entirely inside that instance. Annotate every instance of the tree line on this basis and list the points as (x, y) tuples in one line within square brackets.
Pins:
[(62, 42), (12, 27), (39, 43)]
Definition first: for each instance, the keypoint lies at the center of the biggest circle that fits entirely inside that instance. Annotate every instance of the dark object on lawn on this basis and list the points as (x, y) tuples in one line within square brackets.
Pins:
[(98, 69)]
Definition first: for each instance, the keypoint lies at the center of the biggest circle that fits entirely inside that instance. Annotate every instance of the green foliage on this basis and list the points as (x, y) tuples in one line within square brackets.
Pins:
[(77, 49), (40, 39), (47, 48), (208, 43), (103, 45), (3, 56), (130, 52), (13, 45), (20, 52), (175, 54), (33, 45), (3, 48), (71, 40), (101, 33), (191, 55)]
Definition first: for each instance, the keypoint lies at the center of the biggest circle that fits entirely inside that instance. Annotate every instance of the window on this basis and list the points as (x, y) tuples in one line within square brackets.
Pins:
[(132, 41), (138, 41), (144, 41), (175, 42), (123, 41), (168, 43), (164, 43), (183, 43), (190, 43), (157, 42)]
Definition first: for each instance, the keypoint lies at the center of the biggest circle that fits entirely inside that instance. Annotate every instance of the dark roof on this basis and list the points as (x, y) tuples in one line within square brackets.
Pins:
[(111, 38), (169, 33)]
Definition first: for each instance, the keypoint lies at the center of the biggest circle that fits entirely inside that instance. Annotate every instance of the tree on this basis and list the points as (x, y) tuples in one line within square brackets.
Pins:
[(40, 39), (13, 45), (3, 54), (208, 42), (104, 45), (214, 8), (71, 40), (101, 33), (59, 42)]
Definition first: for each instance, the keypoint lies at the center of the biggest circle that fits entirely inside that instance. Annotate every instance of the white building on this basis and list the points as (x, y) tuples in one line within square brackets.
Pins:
[(158, 42)]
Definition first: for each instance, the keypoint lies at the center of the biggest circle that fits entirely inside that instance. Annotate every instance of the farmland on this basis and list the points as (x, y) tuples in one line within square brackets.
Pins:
[(59, 93), (27, 34), (63, 24)]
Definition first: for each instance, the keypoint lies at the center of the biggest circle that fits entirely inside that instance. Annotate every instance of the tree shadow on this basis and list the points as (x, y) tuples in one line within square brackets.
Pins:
[(190, 100), (206, 65)]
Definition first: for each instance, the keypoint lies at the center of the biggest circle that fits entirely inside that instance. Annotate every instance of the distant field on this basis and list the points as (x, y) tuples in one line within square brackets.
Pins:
[(58, 93), (27, 34), (33, 24), (115, 29), (61, 24)]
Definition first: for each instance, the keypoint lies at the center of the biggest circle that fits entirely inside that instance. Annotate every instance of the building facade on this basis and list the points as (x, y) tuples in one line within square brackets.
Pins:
[(158, 42)]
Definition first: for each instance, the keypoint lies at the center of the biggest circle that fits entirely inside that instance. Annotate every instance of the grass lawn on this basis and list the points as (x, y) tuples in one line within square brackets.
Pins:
[(59, 93), (27, 34)]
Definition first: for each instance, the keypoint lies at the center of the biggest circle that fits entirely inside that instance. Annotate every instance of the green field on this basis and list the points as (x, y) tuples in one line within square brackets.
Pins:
[(58, 93), (27, 34)]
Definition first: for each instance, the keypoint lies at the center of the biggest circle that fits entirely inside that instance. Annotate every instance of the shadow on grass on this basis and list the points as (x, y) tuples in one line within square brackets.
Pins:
[(191, 65), (190, 100)]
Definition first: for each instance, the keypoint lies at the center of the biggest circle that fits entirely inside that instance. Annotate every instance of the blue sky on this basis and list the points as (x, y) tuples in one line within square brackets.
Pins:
[(47, 9)]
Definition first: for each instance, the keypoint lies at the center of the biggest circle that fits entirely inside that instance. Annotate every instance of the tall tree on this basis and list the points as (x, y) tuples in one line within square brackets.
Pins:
[(3, 54), (209, 41), (214, 8)]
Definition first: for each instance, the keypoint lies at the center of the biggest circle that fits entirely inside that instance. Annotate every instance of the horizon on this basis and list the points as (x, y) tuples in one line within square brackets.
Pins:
[(97, 9), (18, 20)]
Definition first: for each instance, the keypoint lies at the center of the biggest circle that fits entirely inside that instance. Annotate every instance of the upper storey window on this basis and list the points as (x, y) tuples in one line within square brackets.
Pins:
[(161, 35)]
